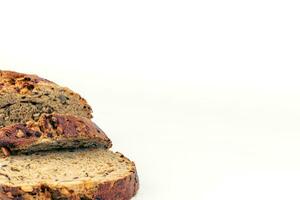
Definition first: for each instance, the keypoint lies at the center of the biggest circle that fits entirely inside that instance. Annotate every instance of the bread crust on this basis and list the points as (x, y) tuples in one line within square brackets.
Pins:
[(15, 81), (52, 128), (121, 189)]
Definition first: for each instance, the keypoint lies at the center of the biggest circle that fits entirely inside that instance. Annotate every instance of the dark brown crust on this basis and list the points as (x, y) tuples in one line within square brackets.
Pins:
[(121, 189), (56, 127)]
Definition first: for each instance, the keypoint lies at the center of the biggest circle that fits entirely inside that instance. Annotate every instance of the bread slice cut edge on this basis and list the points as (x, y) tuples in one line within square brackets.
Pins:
[(118, 179)]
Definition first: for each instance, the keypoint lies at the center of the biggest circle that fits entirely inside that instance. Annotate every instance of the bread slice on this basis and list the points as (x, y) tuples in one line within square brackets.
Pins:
[(52, 131), (25, 97), (80, 175)]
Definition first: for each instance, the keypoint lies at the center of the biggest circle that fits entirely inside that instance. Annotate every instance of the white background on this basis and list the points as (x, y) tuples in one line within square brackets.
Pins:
[(203, 95)]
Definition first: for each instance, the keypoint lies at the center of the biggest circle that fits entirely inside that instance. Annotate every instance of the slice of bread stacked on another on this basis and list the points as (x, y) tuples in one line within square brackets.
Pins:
[(51, 148), (25, 97), (53, 131)]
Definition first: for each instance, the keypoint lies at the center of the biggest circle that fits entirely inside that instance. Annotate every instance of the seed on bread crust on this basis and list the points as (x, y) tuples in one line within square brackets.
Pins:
[(5, 151), (38, 134), (20, 133), (27, 188)]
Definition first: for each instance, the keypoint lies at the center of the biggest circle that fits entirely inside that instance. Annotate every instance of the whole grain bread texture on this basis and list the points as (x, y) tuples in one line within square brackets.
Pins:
[(24, 97), (52, 131), (84, 174)]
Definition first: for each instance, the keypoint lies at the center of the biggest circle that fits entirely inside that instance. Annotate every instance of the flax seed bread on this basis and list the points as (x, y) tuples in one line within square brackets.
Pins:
[(84, 174), (25, 97), (52, 131)]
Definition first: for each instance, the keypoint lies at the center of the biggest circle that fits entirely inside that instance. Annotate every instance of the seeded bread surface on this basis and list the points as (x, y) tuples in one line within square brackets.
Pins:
[(44, 127), (80, 175), (53, 131), (24, 97)]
